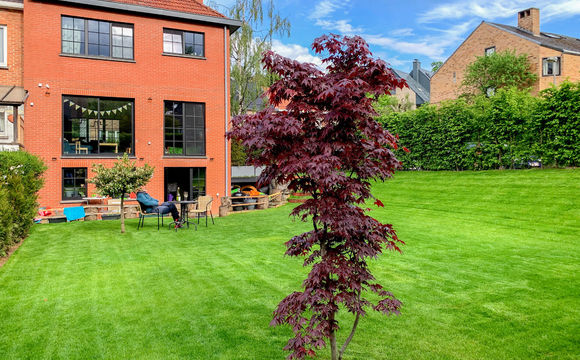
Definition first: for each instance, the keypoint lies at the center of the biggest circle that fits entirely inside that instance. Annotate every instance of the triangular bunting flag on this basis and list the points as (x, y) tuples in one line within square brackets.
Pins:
[(108, 112), (115, 111), (125, 107), (77, 107), (66, 100)]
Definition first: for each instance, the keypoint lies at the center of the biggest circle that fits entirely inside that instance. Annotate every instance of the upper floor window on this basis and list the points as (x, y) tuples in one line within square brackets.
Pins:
[(551, 66), (97, 126), (3, 46), (97, 38), (489, 51), (183, 42), (184, 128)]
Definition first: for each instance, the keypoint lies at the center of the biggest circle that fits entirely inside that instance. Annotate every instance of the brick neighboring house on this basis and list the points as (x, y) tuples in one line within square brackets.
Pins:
[(541, 48), (419, 82), (145, 77), (12, 94)]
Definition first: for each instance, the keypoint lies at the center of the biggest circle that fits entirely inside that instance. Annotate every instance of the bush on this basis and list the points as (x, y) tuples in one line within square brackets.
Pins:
[(20, 180)]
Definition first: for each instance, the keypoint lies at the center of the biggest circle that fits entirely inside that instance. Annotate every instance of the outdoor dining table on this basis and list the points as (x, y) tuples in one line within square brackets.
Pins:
[(184, 210)]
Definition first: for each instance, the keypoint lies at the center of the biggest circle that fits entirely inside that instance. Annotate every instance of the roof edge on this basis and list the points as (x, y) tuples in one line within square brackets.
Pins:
[(231, 23), (11, 5)]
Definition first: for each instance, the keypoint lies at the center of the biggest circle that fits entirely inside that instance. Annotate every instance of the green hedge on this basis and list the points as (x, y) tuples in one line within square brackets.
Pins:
[(506, 130), (20, 180)]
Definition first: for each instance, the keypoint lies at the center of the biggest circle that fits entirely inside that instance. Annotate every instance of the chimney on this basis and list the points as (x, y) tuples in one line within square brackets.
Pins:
[(530, 20), (416, 67)]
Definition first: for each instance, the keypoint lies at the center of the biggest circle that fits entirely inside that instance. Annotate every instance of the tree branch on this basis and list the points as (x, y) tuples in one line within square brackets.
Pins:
[(349, 338)]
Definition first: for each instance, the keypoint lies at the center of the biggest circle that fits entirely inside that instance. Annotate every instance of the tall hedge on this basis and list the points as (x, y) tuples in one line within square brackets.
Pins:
[(20, 181), (506, 130)]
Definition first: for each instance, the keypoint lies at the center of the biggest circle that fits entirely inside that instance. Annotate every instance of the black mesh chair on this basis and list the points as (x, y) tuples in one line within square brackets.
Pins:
[(143, 213)]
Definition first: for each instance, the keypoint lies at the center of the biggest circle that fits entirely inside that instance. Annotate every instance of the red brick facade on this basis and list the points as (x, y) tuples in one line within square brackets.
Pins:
[(12, 73), (150, 79)]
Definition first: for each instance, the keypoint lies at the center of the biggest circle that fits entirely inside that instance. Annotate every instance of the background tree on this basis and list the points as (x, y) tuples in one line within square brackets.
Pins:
[(435, 65), (496, 71), (386, 104), (123, 178), (249, 78), (328, 144)]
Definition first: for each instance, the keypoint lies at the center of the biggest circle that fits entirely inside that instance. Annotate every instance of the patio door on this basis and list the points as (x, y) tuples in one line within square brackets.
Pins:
[(189, 182)]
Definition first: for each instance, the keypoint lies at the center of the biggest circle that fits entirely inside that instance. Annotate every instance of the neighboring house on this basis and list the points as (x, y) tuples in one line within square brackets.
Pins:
[(145, 77), (419, 82), (12, 94), (553, 57)]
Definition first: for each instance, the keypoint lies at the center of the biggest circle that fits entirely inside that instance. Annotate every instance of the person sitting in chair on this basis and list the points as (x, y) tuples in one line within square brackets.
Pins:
[(152, 205)]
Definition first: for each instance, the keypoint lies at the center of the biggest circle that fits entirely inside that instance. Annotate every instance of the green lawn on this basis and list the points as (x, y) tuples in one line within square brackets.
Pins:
[(490, 271)]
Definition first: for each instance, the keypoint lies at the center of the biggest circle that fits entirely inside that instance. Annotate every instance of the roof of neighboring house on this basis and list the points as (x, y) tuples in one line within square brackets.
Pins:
[(553, 41), (427, 73), (188, 6), (413, 85)]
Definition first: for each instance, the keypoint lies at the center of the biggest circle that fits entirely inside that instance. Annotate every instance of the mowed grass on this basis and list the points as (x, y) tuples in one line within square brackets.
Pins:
[(490, 271)]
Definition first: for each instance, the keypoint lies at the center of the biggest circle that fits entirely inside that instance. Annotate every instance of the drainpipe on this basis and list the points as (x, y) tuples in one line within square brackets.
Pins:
[(227, 110)]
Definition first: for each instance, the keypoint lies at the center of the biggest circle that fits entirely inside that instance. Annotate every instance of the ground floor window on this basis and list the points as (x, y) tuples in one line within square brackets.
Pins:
[(97, 126), (74, 183), (189, 183)]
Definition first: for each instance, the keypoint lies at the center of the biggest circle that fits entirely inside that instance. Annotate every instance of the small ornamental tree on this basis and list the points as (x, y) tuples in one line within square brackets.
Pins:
[(123, 178), (328, 144)]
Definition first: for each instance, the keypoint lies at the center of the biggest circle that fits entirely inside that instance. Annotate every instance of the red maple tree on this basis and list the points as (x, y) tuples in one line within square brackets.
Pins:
[(328, 144)]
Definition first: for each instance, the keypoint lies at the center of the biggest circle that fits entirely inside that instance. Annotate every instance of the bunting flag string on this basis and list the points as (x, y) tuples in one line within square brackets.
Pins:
[(90, 111)]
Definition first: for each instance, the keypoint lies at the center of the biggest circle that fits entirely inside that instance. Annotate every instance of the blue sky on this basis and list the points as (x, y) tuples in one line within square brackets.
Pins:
[(400, 31)]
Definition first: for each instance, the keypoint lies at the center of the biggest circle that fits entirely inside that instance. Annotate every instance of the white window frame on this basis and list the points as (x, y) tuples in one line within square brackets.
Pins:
[(5, 45), (4, 121)]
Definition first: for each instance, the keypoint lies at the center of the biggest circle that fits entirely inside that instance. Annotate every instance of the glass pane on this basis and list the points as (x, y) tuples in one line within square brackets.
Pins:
[(78, 48), (167, 47), (167, 37), (93, 25), (127, 41), (81, 173), (93, 49), (93, 38), (177, 48), (177, 108), (188, 37), (67, 35), (104, 27), (68, 173), (78, 36), (117, 52), (117, 40), (67, 22), (178, 122), (104, 39), (104, 50), (198, 50), (67, 47), (127, 31), (168, 121), (117, 30), (189, 49), (189, 122), (176, 38), (79, 24), (127, 53), (168, 108), (199, 39)]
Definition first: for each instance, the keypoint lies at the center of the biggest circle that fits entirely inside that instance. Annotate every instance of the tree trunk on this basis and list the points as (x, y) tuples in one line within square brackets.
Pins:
[(332, 337), (122, 214)]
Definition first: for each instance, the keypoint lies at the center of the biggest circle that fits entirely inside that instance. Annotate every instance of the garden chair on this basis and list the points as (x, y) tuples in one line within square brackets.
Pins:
[(204, 207), (143, 214)]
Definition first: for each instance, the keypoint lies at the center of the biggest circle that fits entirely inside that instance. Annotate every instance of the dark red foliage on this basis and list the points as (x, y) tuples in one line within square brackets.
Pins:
[(328, 144)]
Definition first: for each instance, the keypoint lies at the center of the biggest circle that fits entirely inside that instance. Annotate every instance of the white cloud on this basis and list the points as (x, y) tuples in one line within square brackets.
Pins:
[(342, 26), (499, 9), (402, 32), (324, 8), (296, 52), (322, 16)]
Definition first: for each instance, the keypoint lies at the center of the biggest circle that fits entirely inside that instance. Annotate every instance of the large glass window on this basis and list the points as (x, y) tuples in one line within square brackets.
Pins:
[(97, 126), (96, 38), (183, 42), (551, 66), (74, 183), (184, 128)]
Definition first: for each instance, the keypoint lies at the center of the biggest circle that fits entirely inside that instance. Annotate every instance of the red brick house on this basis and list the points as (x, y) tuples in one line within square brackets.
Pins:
[(553, 57), (145, 77)]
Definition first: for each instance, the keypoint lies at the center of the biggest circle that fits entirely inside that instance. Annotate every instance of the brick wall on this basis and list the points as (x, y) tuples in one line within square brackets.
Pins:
[(12, 73), (150, 80), (444, 85)]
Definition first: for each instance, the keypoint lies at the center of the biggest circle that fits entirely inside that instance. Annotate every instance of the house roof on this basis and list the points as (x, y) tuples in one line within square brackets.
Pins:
[(192, 10), (558, 42), (188, 6), (12, 95), (413, 85)]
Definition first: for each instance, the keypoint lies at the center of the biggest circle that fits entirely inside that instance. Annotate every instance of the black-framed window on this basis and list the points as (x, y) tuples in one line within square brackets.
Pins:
[(183, 42), (97, 126), (97, 38), (490, 51), (74, 183), (184, 128), (551, 66)]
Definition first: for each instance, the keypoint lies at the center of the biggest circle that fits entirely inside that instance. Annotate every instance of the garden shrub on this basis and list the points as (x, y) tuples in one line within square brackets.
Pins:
[(20, 180)]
